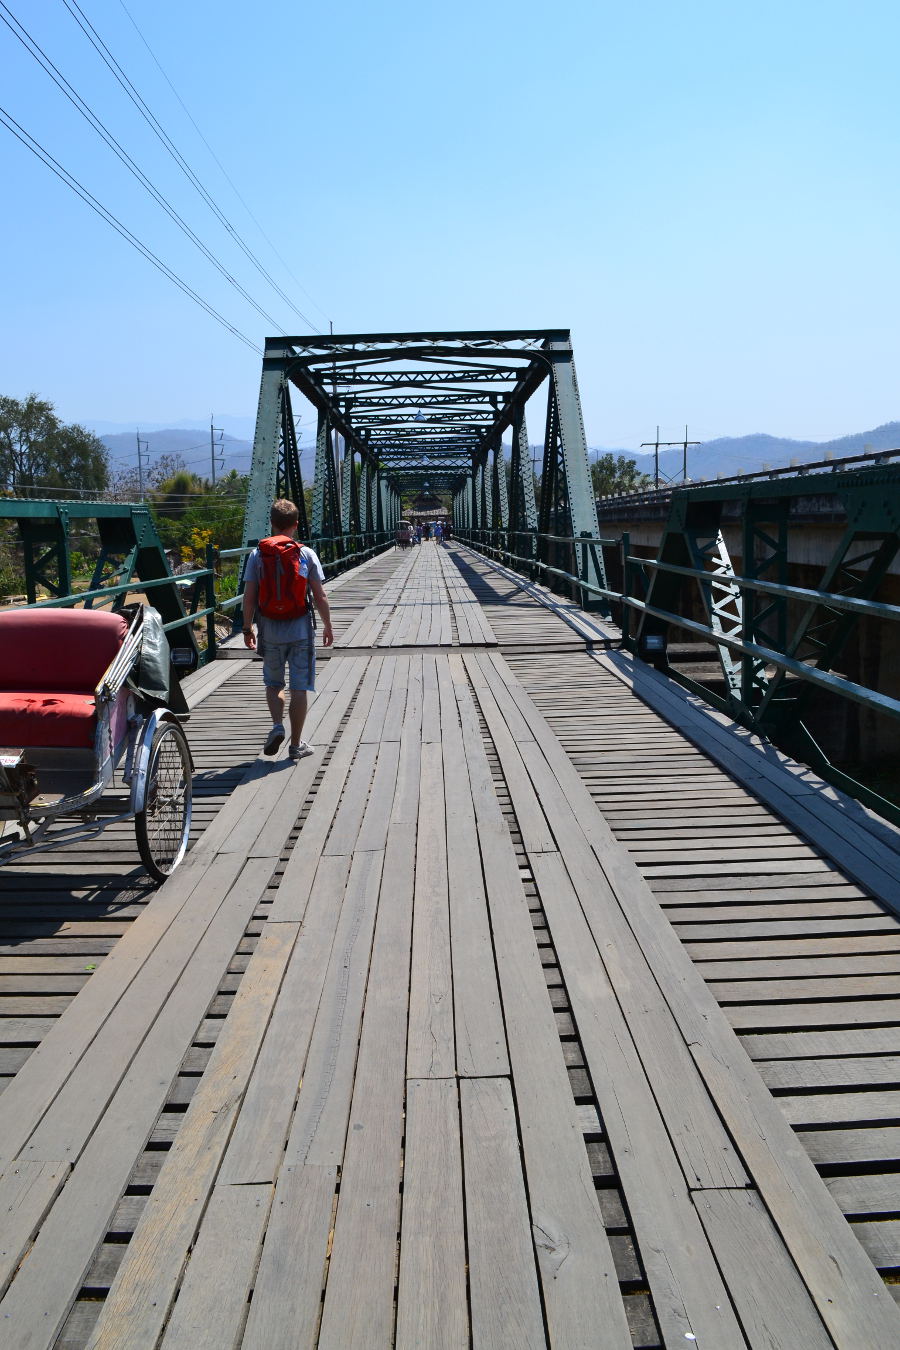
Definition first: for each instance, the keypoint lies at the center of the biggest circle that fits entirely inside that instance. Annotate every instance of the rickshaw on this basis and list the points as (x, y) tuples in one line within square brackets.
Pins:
[(84, 694)]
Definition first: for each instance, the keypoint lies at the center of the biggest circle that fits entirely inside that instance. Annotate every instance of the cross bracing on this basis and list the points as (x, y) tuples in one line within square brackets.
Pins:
[(398, 413)]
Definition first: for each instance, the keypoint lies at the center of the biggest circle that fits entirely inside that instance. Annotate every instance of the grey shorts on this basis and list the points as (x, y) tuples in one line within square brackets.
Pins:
[(300, 659)]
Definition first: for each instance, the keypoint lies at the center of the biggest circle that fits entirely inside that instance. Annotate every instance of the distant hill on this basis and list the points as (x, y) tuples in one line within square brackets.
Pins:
[(747, 454), (726, 456), (241, 427)]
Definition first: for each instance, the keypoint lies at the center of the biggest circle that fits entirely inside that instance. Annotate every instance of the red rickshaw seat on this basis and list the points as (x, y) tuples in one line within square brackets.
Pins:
[(51, 660)]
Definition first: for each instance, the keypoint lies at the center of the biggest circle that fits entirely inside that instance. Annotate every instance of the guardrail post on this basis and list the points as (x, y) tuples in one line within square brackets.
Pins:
[(210, 581), (625, 618)]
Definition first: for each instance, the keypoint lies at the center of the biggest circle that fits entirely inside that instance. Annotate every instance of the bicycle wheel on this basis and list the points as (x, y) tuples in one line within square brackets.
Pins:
[(163, 825)]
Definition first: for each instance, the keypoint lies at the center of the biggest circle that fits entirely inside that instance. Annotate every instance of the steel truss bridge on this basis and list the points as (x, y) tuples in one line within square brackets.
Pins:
[(546, 1004), (398, 411)]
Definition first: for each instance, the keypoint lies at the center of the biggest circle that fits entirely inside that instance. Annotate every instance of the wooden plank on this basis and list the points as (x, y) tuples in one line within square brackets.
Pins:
[(866, 1194), (765, 907), (212, 1301), (860, 1071), (841, 1280), (43, 1078), (826, 969), (783, 991), (852, 1041), (147, 1280), (78, 1103), (248, 810), (773, 1304), (505, 1300), (431, 1299), (348, 819), (198, 687), (578, 1278), (707, 1157), (431, 717), (27, 1190), (881, 1243), (681, 1270), (256, 1149), (284, 1314), (319, 1127), (821, 946), (478, 1017), (359, 1298), (872, 1012), (431, 1051), (840, 828), (374, 828), (827, 1108), (301, 868), (48, 1282), (26, 1030), (536, 832)]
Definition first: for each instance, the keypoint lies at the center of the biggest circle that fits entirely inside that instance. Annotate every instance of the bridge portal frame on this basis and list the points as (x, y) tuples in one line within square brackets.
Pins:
[(398, 412)]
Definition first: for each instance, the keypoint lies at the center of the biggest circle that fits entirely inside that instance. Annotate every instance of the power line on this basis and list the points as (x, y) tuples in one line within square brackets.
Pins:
[(81, 191), (36, 51), (225, 173), (152, 121)]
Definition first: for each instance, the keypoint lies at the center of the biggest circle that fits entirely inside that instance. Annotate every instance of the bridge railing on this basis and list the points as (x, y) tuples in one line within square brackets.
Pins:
[(747, 699), (522, 549), (661, 496), (199, 590)]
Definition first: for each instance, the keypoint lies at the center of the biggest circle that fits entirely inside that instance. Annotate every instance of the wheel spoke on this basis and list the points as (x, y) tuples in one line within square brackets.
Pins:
[(166, 817)]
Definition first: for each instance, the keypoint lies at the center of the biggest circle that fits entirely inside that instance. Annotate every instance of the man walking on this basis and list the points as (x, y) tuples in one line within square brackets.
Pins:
[(279, 577)]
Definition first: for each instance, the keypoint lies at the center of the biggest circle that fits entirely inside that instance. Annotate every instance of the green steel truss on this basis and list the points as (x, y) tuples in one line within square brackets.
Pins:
[(767, 613), (130, 551), (399, 412)]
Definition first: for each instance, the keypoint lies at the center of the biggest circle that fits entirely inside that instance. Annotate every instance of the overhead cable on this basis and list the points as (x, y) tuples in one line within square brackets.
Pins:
[(225, 173), (81, 191), (150, 118), (35, 50)]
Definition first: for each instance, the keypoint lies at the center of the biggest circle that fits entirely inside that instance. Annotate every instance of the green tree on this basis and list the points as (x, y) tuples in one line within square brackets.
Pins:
[(38, 450), (177, 494), (612, 475)]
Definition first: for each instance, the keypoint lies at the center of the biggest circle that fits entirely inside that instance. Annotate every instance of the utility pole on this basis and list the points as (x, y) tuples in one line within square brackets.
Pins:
[(657, 444), (212, 448), (143, 447)]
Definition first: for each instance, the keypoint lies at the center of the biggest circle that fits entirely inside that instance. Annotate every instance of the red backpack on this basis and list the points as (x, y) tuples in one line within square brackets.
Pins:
[(282, 579)]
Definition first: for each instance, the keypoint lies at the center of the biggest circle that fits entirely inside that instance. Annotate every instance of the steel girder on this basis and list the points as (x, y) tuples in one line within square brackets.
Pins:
[(567, 506), (416, 408), (865, 501), (523, 513)]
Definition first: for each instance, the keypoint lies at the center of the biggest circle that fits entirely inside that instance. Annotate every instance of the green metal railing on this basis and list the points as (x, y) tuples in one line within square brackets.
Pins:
[(631, 601), (202, 582), (525, 551)]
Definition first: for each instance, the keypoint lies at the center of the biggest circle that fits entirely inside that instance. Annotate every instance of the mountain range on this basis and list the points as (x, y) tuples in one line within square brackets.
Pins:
[(724, 456), (729, 455)]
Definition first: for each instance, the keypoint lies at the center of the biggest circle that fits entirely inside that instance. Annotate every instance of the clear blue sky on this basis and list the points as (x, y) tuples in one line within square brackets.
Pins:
[(706, 193)]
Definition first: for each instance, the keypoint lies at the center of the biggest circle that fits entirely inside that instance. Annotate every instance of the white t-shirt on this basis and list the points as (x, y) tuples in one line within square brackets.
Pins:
[(285, 630)]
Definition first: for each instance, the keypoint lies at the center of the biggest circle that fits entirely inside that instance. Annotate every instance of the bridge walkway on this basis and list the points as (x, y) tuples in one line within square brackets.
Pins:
[(433, 1038)]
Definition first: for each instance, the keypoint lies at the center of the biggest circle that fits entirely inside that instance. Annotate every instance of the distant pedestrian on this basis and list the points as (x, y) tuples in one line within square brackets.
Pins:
[(280, 575), (438, 532)]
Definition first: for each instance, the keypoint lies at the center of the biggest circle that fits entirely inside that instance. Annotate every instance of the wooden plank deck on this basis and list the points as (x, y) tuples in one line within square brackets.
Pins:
[(439, 1036)]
